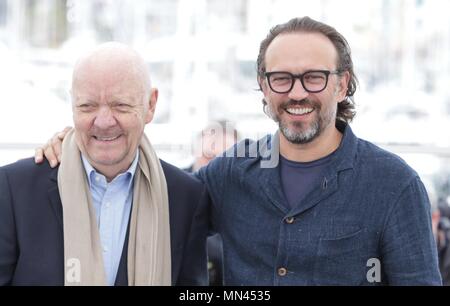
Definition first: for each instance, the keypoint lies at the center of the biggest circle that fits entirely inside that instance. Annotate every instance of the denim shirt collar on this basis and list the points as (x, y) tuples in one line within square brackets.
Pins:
[(345, 154)]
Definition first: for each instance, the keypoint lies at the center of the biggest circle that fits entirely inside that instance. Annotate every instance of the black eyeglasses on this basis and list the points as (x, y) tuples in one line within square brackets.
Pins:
[(313, 81)]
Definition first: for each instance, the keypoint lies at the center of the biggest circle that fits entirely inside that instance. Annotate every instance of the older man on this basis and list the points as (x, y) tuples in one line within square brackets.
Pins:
[(112, 213)]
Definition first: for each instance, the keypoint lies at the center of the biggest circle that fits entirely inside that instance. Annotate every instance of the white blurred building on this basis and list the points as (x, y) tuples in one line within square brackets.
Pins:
[(202, 57)]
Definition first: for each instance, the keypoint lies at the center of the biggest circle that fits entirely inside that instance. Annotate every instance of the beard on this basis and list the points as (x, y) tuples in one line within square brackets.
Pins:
[(301, 132)]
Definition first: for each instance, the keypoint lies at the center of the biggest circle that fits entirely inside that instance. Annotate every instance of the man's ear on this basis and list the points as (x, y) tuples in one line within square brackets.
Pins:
[(151, 105), (343, 81)]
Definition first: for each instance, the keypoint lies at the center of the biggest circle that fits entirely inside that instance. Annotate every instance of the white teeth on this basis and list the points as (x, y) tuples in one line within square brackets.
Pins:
[(105, 138), (299, 111)]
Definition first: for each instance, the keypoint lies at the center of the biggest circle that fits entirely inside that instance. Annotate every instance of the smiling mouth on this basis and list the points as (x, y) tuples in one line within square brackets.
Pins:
[(296, 111), (102, 138)]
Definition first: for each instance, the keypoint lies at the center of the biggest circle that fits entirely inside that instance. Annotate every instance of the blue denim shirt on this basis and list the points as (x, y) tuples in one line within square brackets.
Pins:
[(366, 223)]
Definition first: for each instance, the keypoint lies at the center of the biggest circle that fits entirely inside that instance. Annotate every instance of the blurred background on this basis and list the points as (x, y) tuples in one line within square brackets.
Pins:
[(202, 54)]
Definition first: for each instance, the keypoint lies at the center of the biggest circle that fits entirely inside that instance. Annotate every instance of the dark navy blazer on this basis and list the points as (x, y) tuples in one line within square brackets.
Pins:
[(31, 227)]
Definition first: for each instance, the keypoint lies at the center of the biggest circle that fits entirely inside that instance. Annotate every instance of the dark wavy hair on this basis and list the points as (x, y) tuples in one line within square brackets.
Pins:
[(346, 108)]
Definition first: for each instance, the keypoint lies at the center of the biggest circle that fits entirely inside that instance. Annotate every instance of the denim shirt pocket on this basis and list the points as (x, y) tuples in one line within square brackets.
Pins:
[(341, 257)]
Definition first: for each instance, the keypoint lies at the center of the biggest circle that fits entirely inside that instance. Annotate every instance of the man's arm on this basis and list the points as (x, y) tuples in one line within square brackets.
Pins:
[(8, 240), (52, 149), (409, 253)]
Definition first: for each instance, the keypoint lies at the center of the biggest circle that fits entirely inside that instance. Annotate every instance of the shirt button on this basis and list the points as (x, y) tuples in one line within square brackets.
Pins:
[(97, 178), (105, 249), (108, 204), (282, 271), (290, 220)]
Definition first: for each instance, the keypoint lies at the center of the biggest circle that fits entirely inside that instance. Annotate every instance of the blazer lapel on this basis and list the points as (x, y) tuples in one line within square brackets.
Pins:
[(55, 199)]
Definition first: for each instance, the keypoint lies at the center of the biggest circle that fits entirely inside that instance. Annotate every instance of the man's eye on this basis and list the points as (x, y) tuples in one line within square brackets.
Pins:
[(122, 107), (281, 79), (86, 107), (314, 77)]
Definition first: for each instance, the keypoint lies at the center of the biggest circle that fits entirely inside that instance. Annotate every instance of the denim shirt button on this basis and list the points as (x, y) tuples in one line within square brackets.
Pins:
[(289, 220), (282, 271)]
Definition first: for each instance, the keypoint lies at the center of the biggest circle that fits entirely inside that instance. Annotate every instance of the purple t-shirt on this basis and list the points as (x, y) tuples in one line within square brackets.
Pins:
[(298, 179)]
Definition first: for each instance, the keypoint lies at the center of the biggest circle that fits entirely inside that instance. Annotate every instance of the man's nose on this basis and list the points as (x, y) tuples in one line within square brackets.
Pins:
[(105, 118), (298, 92)]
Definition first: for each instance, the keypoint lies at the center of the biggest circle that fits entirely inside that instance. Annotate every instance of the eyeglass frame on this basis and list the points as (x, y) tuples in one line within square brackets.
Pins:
[(300, 77)]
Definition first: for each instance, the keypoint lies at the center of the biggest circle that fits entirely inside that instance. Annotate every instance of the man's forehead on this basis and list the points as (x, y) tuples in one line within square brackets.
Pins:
[(113, 74), (97, 96), (113, 81), (301, 48), (104, 72)]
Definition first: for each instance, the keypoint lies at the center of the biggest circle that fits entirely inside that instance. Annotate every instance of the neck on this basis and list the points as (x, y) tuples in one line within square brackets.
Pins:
[(322, 146), (111, 173)]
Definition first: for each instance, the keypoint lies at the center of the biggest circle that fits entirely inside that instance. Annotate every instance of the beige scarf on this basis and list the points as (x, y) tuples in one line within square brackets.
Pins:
[(149, 257)]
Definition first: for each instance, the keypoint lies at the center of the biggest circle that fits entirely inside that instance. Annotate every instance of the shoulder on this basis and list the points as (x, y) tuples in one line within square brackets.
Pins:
[(177, 178), (245, 152), (384, 164), (26, 184), (240, 158), (26, 170)]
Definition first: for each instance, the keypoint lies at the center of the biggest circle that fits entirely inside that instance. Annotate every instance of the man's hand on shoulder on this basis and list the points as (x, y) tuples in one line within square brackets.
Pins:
[(52, 149)]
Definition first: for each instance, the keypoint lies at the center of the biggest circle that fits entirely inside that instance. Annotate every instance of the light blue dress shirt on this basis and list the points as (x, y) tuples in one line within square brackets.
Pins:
[(112, 204)]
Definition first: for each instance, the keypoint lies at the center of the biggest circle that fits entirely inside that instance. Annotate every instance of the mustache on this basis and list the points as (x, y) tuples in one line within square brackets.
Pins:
[(302, 103)]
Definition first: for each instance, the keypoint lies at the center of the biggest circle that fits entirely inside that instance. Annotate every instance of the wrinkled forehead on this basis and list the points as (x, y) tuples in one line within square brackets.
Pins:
[(117, 76)]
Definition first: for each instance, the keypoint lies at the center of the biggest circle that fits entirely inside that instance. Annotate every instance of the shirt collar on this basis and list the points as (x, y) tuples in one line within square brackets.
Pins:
[(91, 172), (345, 154)]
